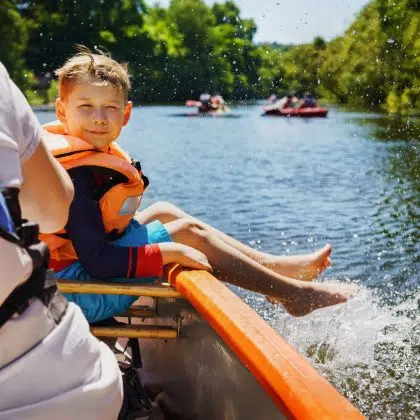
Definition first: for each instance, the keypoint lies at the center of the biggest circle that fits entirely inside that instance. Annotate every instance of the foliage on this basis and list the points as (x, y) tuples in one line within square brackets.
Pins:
[(377, 61), (189, 47), (14, 37)]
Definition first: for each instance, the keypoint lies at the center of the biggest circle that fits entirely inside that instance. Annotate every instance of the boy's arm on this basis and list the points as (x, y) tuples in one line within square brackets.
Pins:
[(101, 258)]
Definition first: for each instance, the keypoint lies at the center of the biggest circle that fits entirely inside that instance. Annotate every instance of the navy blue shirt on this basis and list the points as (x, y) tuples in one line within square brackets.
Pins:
[(100, 257)]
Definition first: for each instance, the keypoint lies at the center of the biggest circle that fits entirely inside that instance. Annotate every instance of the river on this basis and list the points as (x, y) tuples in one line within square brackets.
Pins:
[(289, 186)]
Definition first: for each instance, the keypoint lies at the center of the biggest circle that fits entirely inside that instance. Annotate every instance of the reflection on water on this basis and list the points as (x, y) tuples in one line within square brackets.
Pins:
[(288, 186), (391, 127)]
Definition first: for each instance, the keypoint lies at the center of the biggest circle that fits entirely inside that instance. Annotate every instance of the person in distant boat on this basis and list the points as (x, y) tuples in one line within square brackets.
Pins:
[(307, 101), (105, 238), (51, 367), (205, 103), (282, 103), (285, 102), (294, 99), (272, 98), (217, 103)]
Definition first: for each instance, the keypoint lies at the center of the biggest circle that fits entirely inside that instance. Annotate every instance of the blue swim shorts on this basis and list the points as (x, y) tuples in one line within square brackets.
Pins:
[(99, 307)]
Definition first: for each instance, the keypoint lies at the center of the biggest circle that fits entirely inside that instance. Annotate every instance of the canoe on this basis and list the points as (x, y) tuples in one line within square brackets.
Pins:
[(214, 356), (297, 112)]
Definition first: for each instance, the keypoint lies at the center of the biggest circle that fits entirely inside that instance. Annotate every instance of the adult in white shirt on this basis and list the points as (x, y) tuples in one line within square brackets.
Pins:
[(48, 369)]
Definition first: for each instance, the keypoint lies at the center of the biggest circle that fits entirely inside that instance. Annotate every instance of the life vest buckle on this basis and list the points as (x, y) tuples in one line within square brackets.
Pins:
[(130, 205)]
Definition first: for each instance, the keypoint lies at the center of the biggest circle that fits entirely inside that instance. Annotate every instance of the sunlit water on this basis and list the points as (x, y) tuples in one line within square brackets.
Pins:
[(288, 186)]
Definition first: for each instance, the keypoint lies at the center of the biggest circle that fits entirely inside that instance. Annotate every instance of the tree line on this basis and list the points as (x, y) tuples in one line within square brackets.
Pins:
[(178, 52)]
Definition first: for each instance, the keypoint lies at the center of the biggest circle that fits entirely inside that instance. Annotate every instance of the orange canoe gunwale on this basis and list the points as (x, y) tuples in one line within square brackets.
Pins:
[(295, 386)]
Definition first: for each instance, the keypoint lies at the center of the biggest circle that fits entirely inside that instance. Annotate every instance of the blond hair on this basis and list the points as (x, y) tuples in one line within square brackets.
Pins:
[(85, 66)]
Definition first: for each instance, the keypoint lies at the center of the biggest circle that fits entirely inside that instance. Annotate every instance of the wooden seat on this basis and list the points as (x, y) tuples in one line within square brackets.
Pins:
[(107, 288), (135, 331), (127, 330), (139, 311)]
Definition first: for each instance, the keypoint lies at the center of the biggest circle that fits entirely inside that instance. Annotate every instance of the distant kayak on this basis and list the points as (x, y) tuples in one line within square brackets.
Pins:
[(216, 108), (297, 112), (214, 114)]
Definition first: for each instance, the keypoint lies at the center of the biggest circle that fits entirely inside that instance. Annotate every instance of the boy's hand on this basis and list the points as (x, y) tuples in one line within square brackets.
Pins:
[(184, 255)]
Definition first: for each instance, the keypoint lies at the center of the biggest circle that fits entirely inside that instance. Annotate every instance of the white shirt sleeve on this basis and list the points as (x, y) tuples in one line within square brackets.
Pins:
[(20, 131), (20, 134)]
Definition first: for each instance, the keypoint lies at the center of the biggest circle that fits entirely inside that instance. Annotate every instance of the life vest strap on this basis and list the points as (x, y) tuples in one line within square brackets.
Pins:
[(73, 153)]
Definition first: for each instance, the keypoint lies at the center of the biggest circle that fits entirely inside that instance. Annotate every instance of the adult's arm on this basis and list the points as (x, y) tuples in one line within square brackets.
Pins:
[(26, 164), (46, 192), (20, 142)]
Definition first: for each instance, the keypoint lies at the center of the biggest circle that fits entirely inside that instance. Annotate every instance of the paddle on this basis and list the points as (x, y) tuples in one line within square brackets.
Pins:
[(191, 102)]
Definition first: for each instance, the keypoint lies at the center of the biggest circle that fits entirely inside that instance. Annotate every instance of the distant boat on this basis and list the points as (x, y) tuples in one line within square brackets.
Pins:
[(211, 114), (296, 112), (219, 113)]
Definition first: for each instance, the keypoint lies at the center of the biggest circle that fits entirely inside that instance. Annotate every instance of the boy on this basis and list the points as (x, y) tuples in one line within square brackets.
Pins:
[(103, 239), (51, 367)]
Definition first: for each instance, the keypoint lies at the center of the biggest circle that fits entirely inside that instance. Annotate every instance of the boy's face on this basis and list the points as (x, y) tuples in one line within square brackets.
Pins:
[(94, 113)]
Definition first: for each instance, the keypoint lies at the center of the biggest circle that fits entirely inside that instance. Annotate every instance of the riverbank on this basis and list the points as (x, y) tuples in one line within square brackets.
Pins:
[(44, 108), (415, 114)]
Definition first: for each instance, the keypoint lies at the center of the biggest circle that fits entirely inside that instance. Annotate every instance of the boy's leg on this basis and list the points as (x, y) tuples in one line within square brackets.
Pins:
[(302, 267), (233, 266)]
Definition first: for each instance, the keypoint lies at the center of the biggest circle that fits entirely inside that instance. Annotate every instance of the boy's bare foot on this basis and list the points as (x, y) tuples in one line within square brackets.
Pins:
[(315, 296), (301, 267)]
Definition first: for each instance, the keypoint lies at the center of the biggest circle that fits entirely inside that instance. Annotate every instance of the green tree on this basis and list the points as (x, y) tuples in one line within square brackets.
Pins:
[(189, 47), (14, 38)]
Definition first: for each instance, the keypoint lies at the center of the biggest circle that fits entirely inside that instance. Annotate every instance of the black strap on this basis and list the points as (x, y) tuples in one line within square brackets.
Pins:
[(137, 165), (74, 153), (145, 180), (136, 402), (10, 237), (54, 300), (41, 284)]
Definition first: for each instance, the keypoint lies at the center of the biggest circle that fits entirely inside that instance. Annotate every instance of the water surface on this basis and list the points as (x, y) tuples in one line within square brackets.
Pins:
[(289, 186)]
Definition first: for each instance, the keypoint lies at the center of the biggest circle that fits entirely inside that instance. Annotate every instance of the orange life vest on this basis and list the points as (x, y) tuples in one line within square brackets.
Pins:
[(118, 205)]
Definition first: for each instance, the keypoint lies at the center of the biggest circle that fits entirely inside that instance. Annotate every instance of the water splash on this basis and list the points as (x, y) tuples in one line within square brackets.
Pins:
[(368, 351)]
